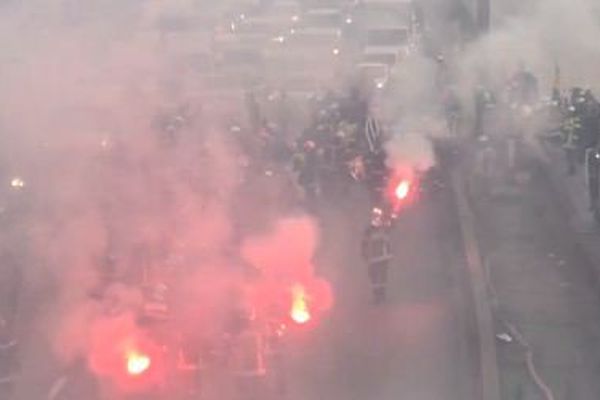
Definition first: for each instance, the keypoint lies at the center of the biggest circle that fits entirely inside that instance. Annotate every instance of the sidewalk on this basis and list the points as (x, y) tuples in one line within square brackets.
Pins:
[(571, 189), (540, 281), (571, 192)]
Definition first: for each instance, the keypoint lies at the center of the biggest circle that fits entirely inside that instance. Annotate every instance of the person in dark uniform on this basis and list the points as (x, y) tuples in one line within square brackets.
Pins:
[(525, 87), (484, 101), (452, 110), (590, 120), (571, 131), (376, 251), (306, 164), (593, 179), (377, 174), (590, 123)]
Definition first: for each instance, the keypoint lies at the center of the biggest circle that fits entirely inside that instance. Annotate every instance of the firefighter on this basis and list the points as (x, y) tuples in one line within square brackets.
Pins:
[(577, 98), (442, 77), (377, 174), (306, 164), (484, 102), (189, 368), (333, 171), (274, 354), (355, 108), (524, 87), (590, 120), (593, 179), (246, 354), (248, 364), (156, 302), (376, 251), (571, 132), (452, 110)]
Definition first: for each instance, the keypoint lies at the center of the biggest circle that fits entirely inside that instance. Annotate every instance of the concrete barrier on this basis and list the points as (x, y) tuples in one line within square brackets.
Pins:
[(490, 381)]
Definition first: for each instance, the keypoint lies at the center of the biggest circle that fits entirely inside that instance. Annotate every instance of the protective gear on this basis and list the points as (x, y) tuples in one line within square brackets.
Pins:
[(247, 362), (306, 164), (571, 131), (189, 369), (577, 97), (156, 302), (590, 121), (382, 217), (524, 87), (484, 101), (376, 250), (452, 111), (377, 173), (593, 179), (376, 245), (377, 217)]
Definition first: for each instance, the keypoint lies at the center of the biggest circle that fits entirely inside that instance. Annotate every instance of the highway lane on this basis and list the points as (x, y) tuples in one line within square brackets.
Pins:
[(421, 344), (544, 285)]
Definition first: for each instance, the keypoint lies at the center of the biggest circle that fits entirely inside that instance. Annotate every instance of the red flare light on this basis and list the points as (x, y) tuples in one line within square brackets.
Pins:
[(402, 190), (125, 355), (299, 312), (137, 363)]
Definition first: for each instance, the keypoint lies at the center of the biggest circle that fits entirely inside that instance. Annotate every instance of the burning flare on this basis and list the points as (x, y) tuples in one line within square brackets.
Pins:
[(137, 363), (17, 183), (299, 312), (402, 190)]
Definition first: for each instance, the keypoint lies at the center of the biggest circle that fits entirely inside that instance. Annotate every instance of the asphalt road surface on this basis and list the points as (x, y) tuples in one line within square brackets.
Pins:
[(543, 285), (421, 344)]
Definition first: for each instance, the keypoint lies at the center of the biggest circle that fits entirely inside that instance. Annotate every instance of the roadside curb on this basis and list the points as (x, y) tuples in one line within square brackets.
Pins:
[(490, 378)]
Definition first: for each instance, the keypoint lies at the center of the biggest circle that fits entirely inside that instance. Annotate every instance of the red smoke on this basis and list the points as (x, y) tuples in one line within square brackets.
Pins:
[(285, 260), (308, 299), (125, 355), (286, 252)]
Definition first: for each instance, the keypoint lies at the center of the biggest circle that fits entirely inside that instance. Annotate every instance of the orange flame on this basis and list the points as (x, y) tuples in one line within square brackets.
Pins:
[(402, 190), (299, 312), (137, 363)]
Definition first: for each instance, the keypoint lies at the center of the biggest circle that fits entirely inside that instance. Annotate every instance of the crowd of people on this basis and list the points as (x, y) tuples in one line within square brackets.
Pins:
[(567, 118), (579, 115), (333, 151), (340, 148)]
